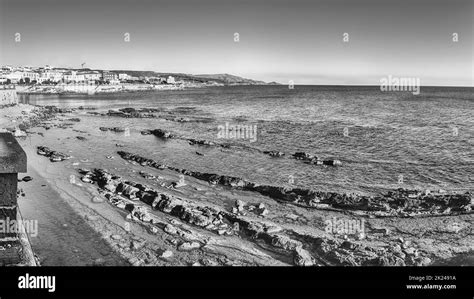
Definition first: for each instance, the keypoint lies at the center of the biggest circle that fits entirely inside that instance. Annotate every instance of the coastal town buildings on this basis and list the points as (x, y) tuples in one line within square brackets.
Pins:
[(13, 77), (91, 76), (48, 74), (20, 76), (73, 76), (7, 68)]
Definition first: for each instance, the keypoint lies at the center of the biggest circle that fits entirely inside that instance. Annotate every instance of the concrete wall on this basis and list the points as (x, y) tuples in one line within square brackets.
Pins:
[(8, 96)]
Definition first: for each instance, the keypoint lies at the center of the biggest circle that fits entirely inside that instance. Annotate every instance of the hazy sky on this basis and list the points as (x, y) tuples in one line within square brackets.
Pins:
[(279, 40)]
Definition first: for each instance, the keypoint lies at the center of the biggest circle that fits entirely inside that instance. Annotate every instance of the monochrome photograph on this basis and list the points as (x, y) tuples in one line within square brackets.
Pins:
[(236, 133)]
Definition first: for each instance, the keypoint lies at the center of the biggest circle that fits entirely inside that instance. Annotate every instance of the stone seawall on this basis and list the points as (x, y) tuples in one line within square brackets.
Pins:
[(16, 249), (8, 96)]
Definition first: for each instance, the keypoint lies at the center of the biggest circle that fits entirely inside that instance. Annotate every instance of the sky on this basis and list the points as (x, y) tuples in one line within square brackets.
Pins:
[(297, 40)]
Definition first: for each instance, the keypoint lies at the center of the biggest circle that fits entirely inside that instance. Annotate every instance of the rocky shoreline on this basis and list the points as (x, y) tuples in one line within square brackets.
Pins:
[(35, 117), (399, 203), (304, 250), (213, 219)]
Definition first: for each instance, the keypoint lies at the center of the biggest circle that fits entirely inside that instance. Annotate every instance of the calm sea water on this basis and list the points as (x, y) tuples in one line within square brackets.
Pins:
[(392, 139)]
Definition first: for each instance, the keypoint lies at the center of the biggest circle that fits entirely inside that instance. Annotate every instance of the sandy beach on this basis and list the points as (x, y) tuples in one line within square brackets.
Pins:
[(81, 223)]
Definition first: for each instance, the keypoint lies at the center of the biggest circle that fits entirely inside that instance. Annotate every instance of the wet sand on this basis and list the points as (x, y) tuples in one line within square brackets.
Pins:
[(64, 237)]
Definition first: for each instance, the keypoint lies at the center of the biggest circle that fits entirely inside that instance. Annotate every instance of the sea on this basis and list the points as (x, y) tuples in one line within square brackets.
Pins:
[(385, 140)]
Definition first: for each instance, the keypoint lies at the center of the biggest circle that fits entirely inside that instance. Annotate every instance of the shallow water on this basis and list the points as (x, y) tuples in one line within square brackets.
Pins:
[(385, 140)]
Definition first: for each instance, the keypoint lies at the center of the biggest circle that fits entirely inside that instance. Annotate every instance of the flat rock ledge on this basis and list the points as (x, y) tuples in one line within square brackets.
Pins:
[(399, 202), (301, 249)]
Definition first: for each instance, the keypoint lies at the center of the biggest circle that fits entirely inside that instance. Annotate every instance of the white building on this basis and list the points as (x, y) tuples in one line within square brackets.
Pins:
[(14, 77), (50, 75), (170, 80), (7, 68), (30, 75), (91, 76), (123, 77), (73, 76), (17, 76)]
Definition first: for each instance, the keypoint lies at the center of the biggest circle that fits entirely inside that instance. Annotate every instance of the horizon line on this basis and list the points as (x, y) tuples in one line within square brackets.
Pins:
[(226, 73)]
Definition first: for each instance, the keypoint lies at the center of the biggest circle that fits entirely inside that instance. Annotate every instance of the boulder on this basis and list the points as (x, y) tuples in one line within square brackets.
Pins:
[(332, 162), (240, 205), (170, 229), (188, 246), (264, 212), (161, 133), (274, 153), (53, 156), (86, 179), (200, 142), (127, 190), (303, 156), (303, 257), (285, 242), (167, 254), (27, 178), (19, 133)]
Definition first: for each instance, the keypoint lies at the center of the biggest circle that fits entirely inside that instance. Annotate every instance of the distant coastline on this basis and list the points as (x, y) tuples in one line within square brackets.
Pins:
[(57, 80)]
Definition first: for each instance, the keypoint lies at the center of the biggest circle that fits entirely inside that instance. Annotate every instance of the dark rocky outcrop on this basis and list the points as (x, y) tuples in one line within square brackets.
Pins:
[(53, 156), (400, 202), (130, 113), (332, 162), (114, 129), (311, 159), (205, 217), (274, 153), (201, 142), (303, 250), (305, 157), (162, 134), (86, 108), (174, 115), (128, 110)]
